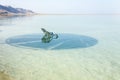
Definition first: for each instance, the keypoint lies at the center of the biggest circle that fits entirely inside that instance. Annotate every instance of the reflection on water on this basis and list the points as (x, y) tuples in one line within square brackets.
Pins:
[(9, 20), (65, 41)]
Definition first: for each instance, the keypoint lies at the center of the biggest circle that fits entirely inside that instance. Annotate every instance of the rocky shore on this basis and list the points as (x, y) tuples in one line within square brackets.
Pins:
[(11, 11)]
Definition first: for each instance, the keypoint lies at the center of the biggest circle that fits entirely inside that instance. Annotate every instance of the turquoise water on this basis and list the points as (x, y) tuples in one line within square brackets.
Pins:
[(92, 52), (65, 41)]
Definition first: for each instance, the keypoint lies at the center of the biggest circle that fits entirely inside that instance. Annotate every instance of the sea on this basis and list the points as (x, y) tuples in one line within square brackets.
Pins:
[(87, 47)]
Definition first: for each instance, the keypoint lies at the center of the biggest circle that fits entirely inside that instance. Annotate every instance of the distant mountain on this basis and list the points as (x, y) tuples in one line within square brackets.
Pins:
[(8, 11)]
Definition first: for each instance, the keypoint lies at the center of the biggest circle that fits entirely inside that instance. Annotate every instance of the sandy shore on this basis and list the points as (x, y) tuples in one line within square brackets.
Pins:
[(4, 76)]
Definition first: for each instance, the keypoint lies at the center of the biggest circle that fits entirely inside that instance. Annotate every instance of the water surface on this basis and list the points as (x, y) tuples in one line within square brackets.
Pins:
[(97, 60), (65, 41)]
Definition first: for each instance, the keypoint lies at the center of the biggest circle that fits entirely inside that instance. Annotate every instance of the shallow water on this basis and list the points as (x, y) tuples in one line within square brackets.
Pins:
[(64, 41), (22, 60)]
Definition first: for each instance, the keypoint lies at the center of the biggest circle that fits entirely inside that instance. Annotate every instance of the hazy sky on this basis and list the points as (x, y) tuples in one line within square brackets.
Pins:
[(67, 6)]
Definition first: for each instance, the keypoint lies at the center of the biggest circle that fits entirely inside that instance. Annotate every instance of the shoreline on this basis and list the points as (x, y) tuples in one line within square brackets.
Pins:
[(11, 15)]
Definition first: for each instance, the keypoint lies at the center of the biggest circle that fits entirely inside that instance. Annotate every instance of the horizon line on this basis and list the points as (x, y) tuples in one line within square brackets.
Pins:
[(79, 14)]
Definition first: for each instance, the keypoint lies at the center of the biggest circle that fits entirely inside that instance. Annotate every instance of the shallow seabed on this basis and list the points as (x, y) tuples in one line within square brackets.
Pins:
[(98, 62)]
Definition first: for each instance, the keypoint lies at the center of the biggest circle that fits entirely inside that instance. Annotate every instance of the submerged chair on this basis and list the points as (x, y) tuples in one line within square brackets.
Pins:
[(48, 36)]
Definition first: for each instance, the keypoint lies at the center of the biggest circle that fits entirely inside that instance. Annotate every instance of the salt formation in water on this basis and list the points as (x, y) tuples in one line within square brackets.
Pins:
[(48, 36)]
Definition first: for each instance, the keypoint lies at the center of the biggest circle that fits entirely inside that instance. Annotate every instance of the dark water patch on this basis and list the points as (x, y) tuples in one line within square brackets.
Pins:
[(65, 41)]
